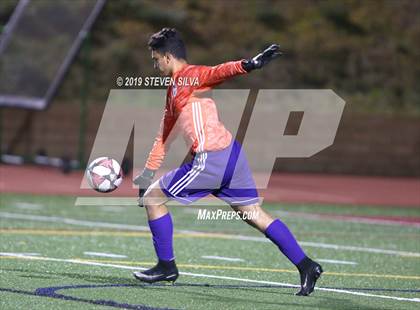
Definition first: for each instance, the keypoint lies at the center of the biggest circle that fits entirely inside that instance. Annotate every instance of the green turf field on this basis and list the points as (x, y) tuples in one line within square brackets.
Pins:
[(46, 264)]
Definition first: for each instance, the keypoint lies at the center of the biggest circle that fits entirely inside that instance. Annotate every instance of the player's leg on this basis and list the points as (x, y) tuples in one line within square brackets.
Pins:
[(280, 235), (183, 185), (274, 229), (239, 190), (161, 227)]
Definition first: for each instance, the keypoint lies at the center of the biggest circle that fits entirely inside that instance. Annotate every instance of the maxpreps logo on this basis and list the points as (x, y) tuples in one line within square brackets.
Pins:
[(207, 215)]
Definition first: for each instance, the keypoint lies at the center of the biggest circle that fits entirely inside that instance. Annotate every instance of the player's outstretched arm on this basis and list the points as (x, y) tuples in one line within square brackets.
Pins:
[(156, 155), (263, 58), (212, 76)]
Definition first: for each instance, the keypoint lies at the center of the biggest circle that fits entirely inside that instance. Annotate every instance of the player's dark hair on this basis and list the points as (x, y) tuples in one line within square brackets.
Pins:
[(168, 40)]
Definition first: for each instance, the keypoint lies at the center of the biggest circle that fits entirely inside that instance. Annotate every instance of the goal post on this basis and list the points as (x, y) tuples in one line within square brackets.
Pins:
[(37, 46)]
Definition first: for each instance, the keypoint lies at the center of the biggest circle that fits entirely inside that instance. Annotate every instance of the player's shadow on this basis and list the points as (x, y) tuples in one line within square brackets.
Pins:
[(247, 287), (77, 276), (342, 304), (213, 296), (315, 300), (32, 276), (324, 302), (188, 288)]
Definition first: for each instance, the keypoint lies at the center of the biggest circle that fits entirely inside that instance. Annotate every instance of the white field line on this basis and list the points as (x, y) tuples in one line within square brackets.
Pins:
[(20, 254), (105, 254), (338, 218), (201, 275), (230, 259), (359, 249), (188, 210), (113, 209), (91, 224), (28, 206), (333, 261), (106, 201), (70, 221)]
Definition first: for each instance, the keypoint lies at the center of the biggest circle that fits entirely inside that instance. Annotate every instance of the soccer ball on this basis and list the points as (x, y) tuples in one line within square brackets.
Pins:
[(104, 174)]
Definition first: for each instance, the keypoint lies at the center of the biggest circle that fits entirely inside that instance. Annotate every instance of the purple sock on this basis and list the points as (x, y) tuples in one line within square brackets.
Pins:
[(162, 230), (281, 236)]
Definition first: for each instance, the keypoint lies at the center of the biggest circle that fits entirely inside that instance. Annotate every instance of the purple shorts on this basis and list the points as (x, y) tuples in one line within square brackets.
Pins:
[(224, 173)]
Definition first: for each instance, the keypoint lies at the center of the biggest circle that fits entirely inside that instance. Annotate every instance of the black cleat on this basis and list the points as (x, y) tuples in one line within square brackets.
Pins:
[(163, 271), (309, 271)]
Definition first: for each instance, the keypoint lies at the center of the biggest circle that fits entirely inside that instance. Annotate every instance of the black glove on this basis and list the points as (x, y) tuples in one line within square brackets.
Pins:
[(263, 58), (144, 180)]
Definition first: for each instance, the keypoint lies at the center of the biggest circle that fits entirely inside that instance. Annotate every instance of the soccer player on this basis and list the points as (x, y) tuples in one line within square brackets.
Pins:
[(218, 166)]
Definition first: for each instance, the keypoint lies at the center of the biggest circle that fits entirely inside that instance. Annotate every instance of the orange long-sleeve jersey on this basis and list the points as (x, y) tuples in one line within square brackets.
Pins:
[(195, 117)]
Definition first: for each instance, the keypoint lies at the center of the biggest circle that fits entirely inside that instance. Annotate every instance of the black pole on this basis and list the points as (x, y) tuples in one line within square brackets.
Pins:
[(83, 100)]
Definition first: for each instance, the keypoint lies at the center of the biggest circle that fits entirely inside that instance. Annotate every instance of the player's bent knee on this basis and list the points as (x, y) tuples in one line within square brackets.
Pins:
[(256, 216), (248, 213), (148, 202), (154, 197), (151, 201), (249, 208)]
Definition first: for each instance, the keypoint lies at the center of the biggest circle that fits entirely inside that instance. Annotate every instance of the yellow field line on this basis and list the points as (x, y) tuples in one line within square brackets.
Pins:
[(65, 232), (190, 265), (52, 232), (218, 267), (77, 232), (259, 269)]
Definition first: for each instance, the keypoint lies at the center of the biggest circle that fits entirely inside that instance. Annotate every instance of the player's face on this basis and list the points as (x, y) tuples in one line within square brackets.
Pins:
[(162, 63)]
